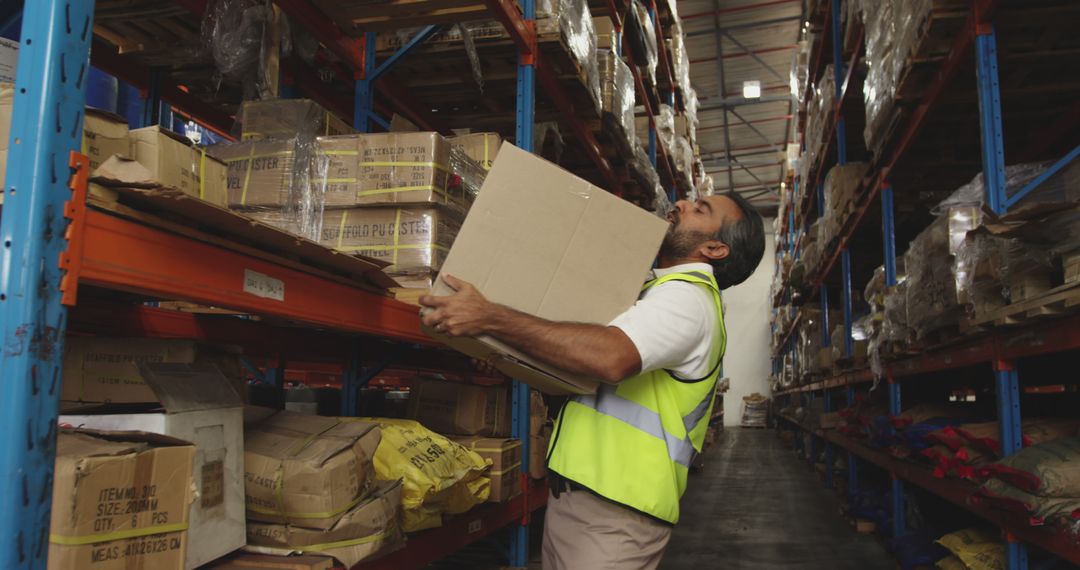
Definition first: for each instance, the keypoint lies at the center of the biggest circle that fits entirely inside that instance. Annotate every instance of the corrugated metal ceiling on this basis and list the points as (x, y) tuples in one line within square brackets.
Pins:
[(757, 42)]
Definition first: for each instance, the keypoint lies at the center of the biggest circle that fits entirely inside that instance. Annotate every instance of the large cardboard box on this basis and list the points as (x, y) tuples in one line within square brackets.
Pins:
[(481, 147), (505, 458), (548, 243), (105, 369), (268, 562), (104, 134), (160, 157), (369, 529), (196, 403), (412, 239), (406, 168), (287, 119), (260, 174), (307, 470), (460, 409), (120, 501)]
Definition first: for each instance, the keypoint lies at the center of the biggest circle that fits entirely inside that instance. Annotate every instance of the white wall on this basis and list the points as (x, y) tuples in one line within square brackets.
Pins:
[(747, 361)]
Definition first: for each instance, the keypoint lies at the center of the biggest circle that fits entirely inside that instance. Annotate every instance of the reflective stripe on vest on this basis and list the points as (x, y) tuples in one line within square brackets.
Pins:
[(608, 403), (633, 443)]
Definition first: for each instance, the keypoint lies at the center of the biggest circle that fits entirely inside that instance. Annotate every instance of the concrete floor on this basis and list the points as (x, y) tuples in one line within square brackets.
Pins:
[(757, 507)]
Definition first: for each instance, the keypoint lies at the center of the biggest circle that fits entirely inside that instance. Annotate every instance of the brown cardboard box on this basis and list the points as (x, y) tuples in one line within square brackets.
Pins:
[(120, 484), (265, 562), (412, 239), (538, 448), (481, 147), (168, 159), (105, 369), (260, 174), (831, 420), (289, 118), (505, 458), (195, 403), (307, 470), (405, 168), (368, 529), (605, 32), (104, 134), (548, 243), (460, 409)]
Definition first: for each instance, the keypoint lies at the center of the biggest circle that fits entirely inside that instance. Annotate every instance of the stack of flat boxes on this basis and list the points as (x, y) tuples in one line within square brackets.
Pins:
[(396, 197)]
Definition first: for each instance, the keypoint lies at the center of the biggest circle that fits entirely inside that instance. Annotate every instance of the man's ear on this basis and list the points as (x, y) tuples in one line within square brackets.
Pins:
[(714, 250)]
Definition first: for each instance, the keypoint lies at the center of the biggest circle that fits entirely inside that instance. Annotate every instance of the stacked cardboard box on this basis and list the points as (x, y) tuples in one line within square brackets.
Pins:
[(158, 157), (460, 409), (504, 455), (196, 403), (120, 500), (311, 487), (481, 147)]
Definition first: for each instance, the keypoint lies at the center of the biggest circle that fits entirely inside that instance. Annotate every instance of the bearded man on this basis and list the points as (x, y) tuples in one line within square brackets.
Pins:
[(619, 459)]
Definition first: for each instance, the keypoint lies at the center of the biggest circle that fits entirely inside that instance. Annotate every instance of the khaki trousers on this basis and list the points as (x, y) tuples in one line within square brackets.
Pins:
[(585, 532)]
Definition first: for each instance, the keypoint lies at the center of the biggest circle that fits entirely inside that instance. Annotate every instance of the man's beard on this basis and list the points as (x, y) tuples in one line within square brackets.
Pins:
[(679, 243)]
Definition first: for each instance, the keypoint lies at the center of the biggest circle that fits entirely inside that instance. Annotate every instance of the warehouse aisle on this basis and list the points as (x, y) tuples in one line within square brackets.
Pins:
[(757, 507)]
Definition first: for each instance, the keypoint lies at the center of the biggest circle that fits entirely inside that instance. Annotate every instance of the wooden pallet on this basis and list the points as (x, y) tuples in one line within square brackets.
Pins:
[(1056, 302)]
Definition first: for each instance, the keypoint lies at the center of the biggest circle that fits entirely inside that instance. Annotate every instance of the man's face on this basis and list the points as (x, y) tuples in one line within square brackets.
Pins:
[(694, 223)]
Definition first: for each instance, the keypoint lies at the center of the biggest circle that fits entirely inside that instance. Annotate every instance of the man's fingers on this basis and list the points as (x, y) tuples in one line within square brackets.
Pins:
[(433, 301), (433, 318), (454, 283)]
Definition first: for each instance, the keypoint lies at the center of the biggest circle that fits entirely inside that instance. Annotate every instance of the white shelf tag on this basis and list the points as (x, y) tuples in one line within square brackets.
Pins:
[(263, 286)]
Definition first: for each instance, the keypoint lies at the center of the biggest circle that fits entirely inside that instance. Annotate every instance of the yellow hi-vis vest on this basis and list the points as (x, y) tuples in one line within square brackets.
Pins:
[(632, 443)]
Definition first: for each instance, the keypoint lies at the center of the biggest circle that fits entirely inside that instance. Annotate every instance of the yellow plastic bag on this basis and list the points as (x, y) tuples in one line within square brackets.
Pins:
[(951, 563), (438, 475), (977, 549)]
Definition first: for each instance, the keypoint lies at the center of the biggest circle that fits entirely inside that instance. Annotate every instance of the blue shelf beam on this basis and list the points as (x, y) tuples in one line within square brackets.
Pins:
[(826, 336), (50, 94), (365, 86), (420, 37), (1040, 179), (888, 234)]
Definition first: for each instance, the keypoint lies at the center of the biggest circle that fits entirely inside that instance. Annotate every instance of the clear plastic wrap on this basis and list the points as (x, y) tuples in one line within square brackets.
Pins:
[(579, 35), (665, 127), (466, 172), (818, 113), (234, 33), (706, 186), (683, 155), (617, 98), (680, 59), (800, 69), (841, 184), (474, 57), (933, 302), (690, 101), (640, 38), (548, 141), (284, 119)]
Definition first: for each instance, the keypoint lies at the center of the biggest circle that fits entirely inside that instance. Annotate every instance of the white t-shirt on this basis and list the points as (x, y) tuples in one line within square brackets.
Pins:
[(673, 325)]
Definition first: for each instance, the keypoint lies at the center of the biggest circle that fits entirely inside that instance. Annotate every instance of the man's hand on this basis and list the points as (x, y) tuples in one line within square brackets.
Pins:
[(465, 313)]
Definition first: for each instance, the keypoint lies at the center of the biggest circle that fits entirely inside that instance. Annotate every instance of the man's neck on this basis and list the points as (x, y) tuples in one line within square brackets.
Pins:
[(664, 263)]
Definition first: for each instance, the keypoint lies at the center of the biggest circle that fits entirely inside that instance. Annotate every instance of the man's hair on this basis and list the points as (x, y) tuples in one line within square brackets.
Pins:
[(746, 245)]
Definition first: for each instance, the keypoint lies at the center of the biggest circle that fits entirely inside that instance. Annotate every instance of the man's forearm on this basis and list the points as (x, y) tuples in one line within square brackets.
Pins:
[(593, 350)]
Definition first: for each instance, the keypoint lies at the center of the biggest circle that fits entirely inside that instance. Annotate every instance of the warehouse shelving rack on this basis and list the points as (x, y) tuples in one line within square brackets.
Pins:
[(46, 220), (1001, 347)]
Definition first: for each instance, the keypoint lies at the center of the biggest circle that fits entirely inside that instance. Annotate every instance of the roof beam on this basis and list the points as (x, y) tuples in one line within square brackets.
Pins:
[(754, 55), (755, 129), (744, 8), (730, 103), (746, 26)]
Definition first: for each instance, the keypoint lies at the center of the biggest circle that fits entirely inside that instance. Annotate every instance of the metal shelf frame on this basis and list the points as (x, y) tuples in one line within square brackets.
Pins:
[(1001, 347), (45, 191)]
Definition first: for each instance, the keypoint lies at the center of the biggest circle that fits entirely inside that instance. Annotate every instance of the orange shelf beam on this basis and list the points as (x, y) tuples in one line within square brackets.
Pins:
[(129, 256)]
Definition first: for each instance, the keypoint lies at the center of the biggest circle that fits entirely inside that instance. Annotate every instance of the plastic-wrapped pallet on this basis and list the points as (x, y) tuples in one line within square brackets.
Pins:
[(665, 127), (640, 39), (273, 172), (817, 116), (683, 154), (841, 183), (755, 411), (800, 69), (579, 35), (617, 98), (680, 58), (690, 112)]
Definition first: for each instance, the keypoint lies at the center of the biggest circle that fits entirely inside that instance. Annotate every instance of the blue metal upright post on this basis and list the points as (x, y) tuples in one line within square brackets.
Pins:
[(888, 234), (993, 146), (849, 341), (830, 452), (672, 192), (365, 87), (821, 200), (826, 337), (151, 110), (899, 514), (853, 465), (525, 115), (50, 94)]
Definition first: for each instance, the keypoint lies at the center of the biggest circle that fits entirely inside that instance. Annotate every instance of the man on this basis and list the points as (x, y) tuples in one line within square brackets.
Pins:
[(619, 459)]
